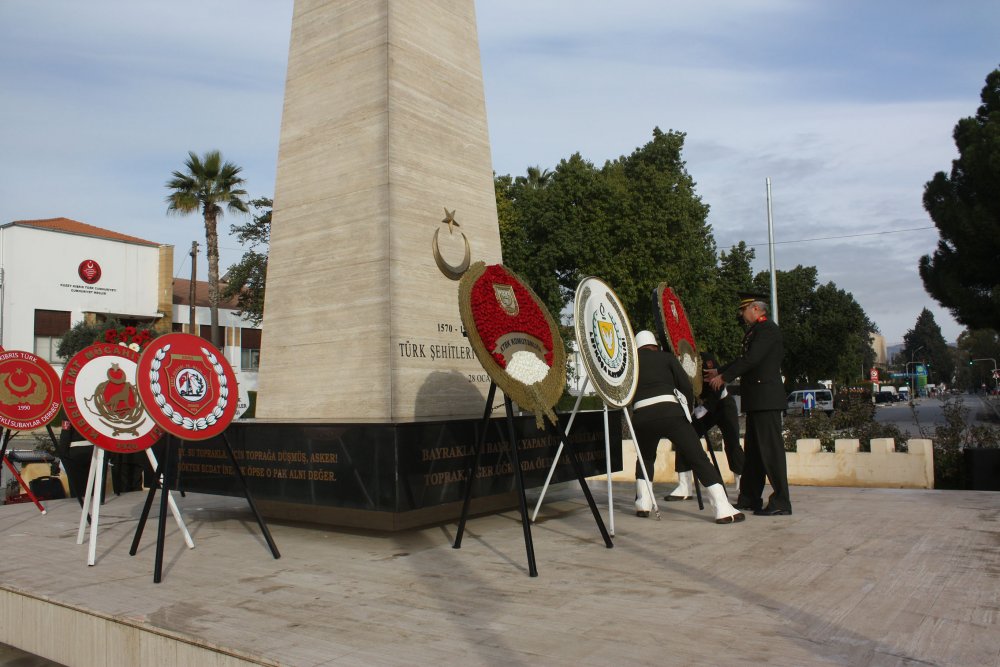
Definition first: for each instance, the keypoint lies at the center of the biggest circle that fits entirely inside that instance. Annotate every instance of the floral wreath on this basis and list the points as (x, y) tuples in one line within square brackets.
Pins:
[(675, 329), (130, 337), (514, 337)]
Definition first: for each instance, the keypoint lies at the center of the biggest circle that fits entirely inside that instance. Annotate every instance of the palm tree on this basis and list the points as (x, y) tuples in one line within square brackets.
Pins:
[(536, 179), (208, 185)]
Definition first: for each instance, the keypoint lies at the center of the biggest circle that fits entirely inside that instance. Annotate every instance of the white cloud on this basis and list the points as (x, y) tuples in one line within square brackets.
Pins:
[(847, 106)]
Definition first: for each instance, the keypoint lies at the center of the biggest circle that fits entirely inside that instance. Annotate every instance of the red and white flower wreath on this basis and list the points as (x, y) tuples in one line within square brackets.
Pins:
[(514, 337)]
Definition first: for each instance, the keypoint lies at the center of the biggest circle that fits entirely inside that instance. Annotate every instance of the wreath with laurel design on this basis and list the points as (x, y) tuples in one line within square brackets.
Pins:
[(674, 327), (514, 337), (176, 417)]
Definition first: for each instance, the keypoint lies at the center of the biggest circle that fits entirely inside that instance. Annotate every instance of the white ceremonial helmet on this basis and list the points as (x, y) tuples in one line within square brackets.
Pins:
[(644, 338)]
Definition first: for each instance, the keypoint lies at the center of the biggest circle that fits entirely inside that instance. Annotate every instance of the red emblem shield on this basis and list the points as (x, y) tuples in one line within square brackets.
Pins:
[(188, 386), (187, 381), (89, 271), (29, 391)]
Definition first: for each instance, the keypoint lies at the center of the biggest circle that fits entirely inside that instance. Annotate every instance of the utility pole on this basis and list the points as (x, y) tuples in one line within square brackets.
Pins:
[(191, 294), (770, 251)]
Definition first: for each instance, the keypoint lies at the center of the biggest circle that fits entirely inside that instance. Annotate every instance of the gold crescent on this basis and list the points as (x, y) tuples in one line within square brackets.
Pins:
[(453, 272)]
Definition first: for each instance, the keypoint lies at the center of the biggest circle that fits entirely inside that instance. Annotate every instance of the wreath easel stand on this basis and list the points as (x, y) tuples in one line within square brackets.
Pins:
[(519, 477), (607, 459), (164, 472)]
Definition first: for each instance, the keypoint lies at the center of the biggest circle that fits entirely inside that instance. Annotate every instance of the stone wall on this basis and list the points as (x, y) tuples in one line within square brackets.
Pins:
[(883, 467)]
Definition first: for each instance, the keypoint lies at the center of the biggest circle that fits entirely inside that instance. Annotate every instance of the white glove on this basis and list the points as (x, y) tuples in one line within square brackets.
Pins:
[(699, 412), (682, 400)]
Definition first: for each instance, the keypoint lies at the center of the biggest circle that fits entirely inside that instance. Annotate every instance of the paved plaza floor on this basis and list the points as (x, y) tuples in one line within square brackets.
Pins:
[(854, 577)]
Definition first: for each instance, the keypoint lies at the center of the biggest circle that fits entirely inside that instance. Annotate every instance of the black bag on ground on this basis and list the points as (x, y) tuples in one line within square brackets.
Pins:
[(47, 488)]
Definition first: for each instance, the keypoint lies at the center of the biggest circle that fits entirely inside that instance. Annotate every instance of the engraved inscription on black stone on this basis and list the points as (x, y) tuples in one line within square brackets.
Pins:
[(389, 467)]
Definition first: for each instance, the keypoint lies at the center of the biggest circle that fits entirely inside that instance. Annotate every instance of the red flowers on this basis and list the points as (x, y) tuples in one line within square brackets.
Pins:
[(129, 336), (493, 320), (675, 319)]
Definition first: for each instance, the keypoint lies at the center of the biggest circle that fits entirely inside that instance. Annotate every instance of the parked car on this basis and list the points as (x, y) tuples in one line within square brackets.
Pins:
[(822, 399), (885, 397)]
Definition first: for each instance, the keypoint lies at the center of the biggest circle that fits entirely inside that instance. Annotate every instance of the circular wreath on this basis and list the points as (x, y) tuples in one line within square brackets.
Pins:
[(168, 410), (675, 329), (514, 337), (618, 391)]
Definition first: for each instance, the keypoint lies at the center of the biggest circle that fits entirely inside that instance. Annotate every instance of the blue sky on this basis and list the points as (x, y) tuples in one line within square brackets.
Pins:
[(847, 106)]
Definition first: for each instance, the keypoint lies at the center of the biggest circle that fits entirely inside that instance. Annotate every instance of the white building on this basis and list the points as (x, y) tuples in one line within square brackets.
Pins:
[(242, 339), (57, 272)]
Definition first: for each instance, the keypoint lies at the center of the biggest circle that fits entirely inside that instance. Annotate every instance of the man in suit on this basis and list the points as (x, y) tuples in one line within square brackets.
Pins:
[(763, 397)]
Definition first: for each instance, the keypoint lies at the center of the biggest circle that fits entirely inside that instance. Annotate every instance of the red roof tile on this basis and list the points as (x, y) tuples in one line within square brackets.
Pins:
[(68, 226), (182, 294)]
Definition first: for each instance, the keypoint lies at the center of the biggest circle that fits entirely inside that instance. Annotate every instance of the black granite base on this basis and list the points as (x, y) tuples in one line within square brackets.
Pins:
[(388, 476)]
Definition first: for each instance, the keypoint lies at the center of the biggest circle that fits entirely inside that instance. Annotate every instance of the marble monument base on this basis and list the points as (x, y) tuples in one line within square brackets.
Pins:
[(388, 476)]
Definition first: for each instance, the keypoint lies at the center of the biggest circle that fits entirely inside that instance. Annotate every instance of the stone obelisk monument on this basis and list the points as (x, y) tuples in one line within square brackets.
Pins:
[(384, 179)]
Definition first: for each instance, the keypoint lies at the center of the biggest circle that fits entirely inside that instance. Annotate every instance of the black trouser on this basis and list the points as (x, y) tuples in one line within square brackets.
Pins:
[(657, 421), (765, 458), (727, 418)]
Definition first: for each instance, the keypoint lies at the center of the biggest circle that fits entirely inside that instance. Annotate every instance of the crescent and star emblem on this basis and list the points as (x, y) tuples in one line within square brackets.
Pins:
[(452, 272)]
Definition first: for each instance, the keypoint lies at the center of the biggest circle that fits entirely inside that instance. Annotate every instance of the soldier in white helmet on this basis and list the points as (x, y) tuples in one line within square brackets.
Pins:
[(660, 411)]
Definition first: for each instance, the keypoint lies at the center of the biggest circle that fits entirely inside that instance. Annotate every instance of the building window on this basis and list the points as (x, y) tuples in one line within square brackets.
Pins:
[(250, 349), (50, 327)]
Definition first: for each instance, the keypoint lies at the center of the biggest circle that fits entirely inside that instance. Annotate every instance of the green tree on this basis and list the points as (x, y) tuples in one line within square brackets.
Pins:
[(83, 334), (209, 185), (536, 177), (965, 207), (976, 344), (635, 222), (826, 332), (247, 277), (722, 335), (925, 342)]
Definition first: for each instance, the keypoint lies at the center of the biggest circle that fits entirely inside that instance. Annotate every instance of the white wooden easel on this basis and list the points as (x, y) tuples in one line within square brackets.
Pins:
[(607, 460), (92, 499)]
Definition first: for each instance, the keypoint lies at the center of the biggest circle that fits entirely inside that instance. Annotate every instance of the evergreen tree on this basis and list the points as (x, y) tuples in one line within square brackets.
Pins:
[(965, 206), (925, 343), (826, 333), (982, 344)]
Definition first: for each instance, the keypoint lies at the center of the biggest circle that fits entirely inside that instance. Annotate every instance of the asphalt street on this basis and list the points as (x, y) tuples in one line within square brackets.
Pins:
[(920, 417)]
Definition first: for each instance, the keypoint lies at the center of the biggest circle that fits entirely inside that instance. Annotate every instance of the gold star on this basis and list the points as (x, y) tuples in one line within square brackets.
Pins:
[(449, 217)]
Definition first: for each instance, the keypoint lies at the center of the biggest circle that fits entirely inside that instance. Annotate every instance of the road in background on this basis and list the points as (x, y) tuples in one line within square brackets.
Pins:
[(921, 416)]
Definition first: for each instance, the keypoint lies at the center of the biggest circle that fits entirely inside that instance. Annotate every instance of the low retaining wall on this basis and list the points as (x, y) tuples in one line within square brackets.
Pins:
[(883, 467)]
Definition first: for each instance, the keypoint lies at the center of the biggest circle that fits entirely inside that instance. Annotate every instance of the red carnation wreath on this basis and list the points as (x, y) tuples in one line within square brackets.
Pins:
[(514, 337), (674, 327)]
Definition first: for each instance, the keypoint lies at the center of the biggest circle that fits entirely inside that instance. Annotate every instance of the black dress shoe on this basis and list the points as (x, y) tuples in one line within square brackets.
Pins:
[(671, 499), (767, 511), (747, 507)]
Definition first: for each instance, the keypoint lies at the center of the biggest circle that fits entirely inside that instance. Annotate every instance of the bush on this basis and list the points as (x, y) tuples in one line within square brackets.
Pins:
[(800, 427), (568, 400), (951, 438), (855, 421)]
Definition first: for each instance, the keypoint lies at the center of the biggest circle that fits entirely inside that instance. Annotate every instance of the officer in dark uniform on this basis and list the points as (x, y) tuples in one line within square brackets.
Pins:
[(763, 397), (720, 410)]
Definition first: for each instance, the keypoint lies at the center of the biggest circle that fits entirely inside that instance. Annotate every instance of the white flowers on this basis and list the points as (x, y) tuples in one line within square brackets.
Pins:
[(689, 364), (526, 367)]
